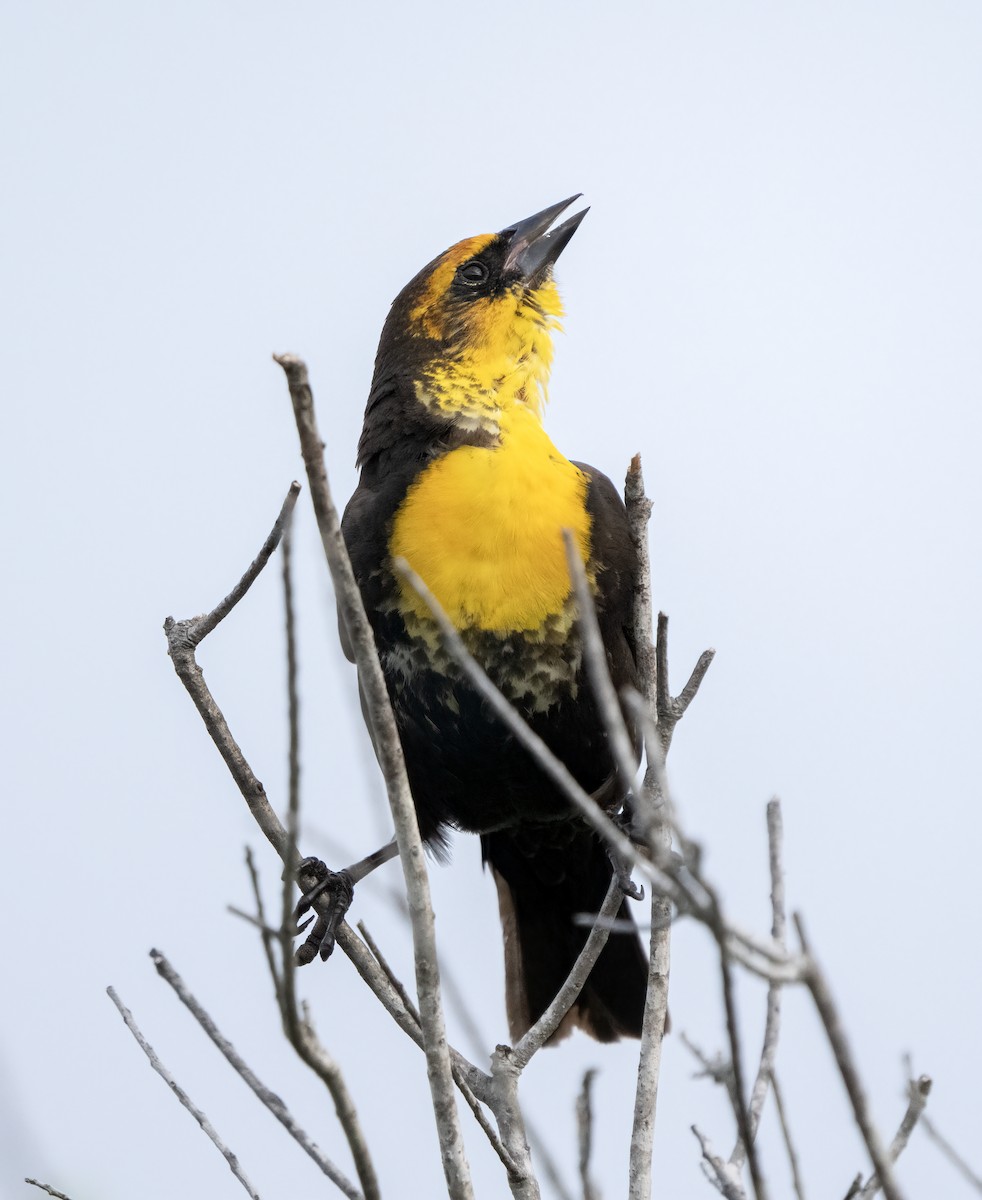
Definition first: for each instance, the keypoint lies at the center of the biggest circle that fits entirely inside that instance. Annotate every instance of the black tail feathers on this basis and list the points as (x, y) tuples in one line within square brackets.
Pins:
[(546, 876)]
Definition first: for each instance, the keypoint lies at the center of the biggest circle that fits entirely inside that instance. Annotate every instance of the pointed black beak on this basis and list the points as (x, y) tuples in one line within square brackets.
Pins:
[(533, 248)]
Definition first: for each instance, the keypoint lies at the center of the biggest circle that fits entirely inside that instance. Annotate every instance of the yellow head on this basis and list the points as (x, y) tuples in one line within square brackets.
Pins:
[(470, 337)]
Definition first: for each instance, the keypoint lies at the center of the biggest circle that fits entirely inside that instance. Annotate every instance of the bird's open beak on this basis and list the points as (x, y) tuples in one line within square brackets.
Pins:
[(533, 247)]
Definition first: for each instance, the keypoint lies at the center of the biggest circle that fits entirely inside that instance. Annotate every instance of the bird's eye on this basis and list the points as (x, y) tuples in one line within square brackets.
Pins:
[(473, 272)]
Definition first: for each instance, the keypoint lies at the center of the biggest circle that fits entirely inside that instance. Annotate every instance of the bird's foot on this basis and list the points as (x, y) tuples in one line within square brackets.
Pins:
[(622, 869), (340, 888), (622, 873)]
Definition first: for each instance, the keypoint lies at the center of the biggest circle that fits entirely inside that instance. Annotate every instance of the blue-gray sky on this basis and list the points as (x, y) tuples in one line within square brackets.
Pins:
[(775, 298)]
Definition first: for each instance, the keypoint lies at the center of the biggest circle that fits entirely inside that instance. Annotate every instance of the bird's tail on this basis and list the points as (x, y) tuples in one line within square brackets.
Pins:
[(546, 876)]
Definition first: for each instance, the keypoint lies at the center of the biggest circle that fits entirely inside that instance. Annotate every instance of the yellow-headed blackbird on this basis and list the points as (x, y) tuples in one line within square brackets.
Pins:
[(459, 477)]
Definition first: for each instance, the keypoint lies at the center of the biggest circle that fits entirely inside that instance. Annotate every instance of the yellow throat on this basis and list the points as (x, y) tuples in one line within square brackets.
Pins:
[(483, 527)]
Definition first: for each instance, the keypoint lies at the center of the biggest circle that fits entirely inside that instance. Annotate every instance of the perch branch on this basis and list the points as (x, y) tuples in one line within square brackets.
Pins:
[(389, 750)]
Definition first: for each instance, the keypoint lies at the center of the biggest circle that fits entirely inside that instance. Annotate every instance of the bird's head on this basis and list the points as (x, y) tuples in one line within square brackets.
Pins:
[(470, 337)]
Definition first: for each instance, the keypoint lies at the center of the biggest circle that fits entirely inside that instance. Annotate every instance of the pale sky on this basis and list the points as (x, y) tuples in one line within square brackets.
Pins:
[(775, 298)]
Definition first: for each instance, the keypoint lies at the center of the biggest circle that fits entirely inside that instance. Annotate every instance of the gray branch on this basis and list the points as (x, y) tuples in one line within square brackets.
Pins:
[(584, 1134), (772, 1022), (47, 1188), (782, 1115), (918, 1091), (551, 1019), (389, 750), (265, 1096), (182, 1096), (835, 1031)]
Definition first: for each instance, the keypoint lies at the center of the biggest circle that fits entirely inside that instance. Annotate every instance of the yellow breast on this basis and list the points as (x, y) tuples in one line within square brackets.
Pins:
[(483, 527)]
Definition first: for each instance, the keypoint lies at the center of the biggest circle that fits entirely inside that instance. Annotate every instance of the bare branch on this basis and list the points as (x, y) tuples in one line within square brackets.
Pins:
[(390, 757), (584, 1131), (182, 639), (46, 1188), (269, 935), (459, 1076), (638, 515), (723, 1174), (772, 1022), (718, 927), (782, 1116), (819, 988), (951, 1154), (266, 1097), (550, 1020), (671, 710), (205, 624), (292, 669), (595, 656), (918, 1091), (649, 1059), (179, 1092)]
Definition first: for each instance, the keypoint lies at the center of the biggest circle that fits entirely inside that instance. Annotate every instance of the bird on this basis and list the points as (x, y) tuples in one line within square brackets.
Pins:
[(459, 479)]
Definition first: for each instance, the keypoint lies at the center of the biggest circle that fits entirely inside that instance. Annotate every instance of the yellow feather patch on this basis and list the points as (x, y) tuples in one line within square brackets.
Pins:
[(483, 527)]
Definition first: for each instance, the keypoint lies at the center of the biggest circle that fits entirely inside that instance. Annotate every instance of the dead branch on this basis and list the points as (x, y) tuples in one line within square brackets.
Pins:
[(390, 758), (816, 983), (782, 1116), (584, 1134), (47, 1188), (918, 1091), (951, 1154), (724, 1175), (267, 1098), (182, 1096), (772, 1021), (551, 1019)]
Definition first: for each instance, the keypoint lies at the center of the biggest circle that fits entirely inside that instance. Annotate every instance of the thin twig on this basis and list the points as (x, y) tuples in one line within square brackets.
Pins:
[(461, 1081), (182, 639), (292, 671), (47, 1188), (389, 751), (918, 1091), (266, 1097), (182, 1096), (724, 1174), (772, 1022), (549, 1022), (951, 1154), (297, 1026), (595, 656), (204, 625), (819, 988), (782, 1115), (671, 709), (736, 1056), (269, 935), (584, 1134)]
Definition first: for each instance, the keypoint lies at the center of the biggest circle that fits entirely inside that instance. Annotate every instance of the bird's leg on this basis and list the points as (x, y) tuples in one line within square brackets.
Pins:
[(340, 886), (627, 821)]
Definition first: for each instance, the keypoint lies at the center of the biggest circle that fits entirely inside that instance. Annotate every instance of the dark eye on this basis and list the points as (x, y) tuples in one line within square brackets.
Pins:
[(473, 272)]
